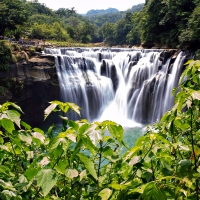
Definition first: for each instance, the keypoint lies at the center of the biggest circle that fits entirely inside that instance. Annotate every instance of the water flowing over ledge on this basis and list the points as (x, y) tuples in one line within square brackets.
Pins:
[(127, 86)]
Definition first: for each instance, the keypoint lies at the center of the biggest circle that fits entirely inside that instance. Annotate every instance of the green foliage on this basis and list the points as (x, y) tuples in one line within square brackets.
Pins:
[(168, 23), (133, 37), (83, 161), (107, 32), (45, 31), (38, 165), (190, 35), (5, 56), (14, 13)]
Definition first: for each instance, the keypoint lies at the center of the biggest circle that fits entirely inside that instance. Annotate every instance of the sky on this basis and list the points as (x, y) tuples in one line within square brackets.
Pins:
[(82, 6)]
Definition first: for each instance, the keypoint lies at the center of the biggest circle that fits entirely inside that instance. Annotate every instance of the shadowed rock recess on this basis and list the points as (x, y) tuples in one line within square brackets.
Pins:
[(31, 84)]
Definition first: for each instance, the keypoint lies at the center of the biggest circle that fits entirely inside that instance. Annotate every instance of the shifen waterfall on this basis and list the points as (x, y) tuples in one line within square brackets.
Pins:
[(124, 85)]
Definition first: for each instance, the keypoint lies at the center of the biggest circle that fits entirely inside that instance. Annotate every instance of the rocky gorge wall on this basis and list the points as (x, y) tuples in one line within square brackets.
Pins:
[(31, 83)]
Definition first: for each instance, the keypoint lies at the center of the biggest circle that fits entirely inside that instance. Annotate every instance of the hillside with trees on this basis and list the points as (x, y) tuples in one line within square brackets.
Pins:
[(111, 16), (101, 11), (168, 24)]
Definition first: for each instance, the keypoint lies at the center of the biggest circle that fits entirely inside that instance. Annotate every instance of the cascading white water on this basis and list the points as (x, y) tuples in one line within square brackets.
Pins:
[(124, 85)]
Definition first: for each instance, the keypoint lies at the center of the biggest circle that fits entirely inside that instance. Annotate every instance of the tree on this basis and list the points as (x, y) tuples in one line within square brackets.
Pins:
[(190, 35), (123, 27), (14, 14), (85, 31), (162, 22), (107, 32), (65, 12), (133, 37)]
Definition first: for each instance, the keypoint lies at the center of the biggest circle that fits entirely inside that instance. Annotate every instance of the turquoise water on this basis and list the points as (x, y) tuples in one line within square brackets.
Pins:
[(131, 135)]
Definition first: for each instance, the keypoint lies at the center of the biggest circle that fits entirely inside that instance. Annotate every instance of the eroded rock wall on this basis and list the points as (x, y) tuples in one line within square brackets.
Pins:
[(31, 84)]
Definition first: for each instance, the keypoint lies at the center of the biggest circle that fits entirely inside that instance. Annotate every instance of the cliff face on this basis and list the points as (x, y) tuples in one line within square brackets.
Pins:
[(31, 83)]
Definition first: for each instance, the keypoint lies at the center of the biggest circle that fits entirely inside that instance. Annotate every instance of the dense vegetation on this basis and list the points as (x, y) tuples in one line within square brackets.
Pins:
[(84, 160), (170, 22), (163, 23)]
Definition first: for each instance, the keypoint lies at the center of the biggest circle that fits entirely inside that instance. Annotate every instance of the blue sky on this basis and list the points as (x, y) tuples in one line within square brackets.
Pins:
[(82, 6)]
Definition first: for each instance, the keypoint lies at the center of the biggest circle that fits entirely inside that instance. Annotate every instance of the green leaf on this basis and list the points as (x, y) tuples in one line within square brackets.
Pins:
[(16, 106), (6, 185), (94, 134), (1, 140), (180, 124), (71, 173), (89, 145), (50, 130), (152, 192), (75, 108), (39, 131), (60, 167), (5, 148), (54, 142), (73, 124), (7, 194), (25, 125), (83, 174), (25, 137), (49, 109), (14, 116), (135, 160), (22, 182), (63, 106), (38, 136), (107, 151), (185, 163), (131, 153), (31, 173), (89, 164), (46, 179), (5, 171), (70, 134), (115, 185), (117, 132), (83, 128), (105, 193), (196, 95), (8, 125)]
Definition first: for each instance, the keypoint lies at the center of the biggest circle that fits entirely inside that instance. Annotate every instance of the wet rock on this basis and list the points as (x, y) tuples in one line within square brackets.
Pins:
[(109, 70)]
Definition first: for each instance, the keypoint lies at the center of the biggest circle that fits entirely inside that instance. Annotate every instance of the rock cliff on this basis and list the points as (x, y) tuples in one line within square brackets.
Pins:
[(31, 83)]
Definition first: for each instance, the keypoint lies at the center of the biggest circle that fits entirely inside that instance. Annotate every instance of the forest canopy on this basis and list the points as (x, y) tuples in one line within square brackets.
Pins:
[(169, 23)]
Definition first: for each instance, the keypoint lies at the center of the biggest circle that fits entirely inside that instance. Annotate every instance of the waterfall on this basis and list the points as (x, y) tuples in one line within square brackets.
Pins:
[(124, 85)]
